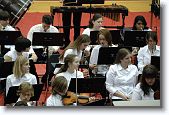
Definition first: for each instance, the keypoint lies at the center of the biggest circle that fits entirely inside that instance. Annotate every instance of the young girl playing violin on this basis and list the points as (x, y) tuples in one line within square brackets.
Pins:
[(59, 88)]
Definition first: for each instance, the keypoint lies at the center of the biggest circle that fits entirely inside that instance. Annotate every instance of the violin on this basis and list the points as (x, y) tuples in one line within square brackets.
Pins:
[(71, 98)]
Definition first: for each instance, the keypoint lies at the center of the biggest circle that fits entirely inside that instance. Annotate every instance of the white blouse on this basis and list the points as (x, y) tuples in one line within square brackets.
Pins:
[(13, 81), (13, 54), (144, 57), (54, 100), (138, 94), (122, 80)]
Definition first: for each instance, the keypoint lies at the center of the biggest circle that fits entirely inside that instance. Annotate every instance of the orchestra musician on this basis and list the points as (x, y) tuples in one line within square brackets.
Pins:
[(66, 17), (145, 53), (20, 73), (59, 88), (145, 90), (121, 77), (104, 39)]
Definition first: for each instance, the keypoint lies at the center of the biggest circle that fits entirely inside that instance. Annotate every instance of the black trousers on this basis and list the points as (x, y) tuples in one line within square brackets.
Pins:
[(66, 17)]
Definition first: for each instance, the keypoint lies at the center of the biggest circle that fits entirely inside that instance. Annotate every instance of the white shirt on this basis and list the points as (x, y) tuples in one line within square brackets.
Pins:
[(101, 69), (54, 100), (144, 56), (87, 31), (69, 75), (13, 81), (13, 54), (73, 51), (122, 80), (138, 94)]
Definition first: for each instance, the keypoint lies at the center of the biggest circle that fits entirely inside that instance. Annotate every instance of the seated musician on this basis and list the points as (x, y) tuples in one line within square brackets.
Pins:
[(20, 73), (104, 40), (69, 69), (121, 77), (95, 24), (76, 48), (45, 26), (22, 46), (145, 53), (25, 92), (145, 90), (59, 88)]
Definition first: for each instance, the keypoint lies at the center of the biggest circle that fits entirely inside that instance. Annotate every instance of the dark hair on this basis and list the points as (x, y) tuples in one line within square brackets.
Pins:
[(149, 71), (122, 53), (152, 35), (68, 59), (4, 15), (142, 19), (76, 44), (94, 18), (47, 19), (59, 84), (22, 43), (106, 33)]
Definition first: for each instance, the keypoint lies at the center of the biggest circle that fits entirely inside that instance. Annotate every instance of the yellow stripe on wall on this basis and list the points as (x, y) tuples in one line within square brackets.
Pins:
[(132, 5)]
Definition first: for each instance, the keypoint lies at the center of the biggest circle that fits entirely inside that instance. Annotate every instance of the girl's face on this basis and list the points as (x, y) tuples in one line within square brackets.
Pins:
[(25, 96), (126, 60), (75, 63), (151, 43), (25, 67), (84, 45), (139, 25), (97, 24), (150, 81), (102, 40)]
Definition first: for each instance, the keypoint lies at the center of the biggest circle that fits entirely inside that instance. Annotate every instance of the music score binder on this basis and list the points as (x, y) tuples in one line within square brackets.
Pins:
[(47, 39), (135, 38), (107, 55), (87, 85), (12, 96)]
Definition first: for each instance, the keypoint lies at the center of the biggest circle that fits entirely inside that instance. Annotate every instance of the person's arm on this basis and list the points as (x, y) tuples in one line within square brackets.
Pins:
[(136, 95)]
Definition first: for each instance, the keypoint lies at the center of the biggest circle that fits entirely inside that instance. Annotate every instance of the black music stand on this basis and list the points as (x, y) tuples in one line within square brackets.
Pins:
[(116, 36), (87, 85), (12, 96), (155, 60), (107, 55), (90, 85), (135, 38), (47, 39), (93, 37), (8, 38)]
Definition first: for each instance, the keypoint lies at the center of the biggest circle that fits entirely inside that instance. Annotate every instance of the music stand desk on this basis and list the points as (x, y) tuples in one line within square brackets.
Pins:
[(47, 39), (107, 55), (135, 38), (9, 37)]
